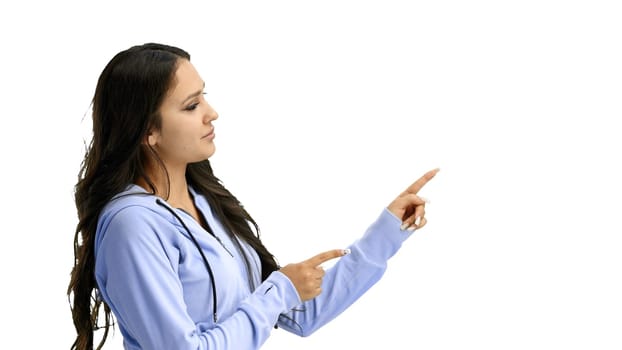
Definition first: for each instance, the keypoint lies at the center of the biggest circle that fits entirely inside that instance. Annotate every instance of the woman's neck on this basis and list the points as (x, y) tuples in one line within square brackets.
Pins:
[(171, 186)]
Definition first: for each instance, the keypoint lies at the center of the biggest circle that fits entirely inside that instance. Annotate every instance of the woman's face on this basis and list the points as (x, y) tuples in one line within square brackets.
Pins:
[(187, 134)]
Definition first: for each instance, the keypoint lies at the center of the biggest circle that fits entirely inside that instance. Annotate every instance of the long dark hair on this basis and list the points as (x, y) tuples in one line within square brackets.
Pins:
[(125, 105)]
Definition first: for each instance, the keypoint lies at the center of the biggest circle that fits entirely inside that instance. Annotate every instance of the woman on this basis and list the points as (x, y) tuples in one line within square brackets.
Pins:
[(168, 251)]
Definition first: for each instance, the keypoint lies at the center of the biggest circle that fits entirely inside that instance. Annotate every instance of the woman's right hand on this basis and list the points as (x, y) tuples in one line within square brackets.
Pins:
[(409, 206), (307, 275)]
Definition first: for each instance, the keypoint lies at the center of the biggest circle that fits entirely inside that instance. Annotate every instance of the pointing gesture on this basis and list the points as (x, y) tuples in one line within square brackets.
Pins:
[(307, 275), (409, 207)]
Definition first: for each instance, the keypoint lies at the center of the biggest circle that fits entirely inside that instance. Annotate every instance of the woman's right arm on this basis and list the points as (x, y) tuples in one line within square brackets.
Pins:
[(138, 278)]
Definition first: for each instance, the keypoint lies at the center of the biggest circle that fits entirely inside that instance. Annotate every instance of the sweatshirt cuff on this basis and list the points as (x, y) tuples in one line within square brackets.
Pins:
[(383, 238), (283, 288)]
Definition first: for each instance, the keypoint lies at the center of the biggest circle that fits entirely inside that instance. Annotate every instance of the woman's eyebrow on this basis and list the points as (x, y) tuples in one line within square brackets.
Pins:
[(194, 94)]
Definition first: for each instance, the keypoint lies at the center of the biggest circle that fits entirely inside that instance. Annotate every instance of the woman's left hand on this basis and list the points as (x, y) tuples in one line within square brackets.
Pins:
[(409, 207)]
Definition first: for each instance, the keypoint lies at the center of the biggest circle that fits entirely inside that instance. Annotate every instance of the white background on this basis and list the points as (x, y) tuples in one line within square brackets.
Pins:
[(328, 109)]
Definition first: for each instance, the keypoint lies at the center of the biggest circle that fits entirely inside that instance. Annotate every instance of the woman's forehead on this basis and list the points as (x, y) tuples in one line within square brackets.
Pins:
[(186, 83)]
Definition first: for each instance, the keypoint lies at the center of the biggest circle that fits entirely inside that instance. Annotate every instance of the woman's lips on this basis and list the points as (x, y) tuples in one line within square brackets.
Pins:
[(210, 135)]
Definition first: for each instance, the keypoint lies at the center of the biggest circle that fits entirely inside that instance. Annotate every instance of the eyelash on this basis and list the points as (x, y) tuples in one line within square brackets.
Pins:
[(194, 106)]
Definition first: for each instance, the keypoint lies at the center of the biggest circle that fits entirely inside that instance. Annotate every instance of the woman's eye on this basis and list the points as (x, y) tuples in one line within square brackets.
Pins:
[(192, 107)]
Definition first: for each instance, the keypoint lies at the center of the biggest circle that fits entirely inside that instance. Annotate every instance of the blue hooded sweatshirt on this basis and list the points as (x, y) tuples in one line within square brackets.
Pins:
[(160, 288)]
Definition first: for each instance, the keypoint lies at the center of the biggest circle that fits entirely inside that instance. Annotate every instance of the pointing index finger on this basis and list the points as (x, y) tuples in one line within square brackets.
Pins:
[(417, 185), (324, 257)]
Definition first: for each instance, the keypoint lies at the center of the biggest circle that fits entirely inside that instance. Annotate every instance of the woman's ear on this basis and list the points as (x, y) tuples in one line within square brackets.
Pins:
[(150, 139)]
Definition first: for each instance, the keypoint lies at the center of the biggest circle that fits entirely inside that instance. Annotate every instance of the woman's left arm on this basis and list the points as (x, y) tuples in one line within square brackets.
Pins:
[(355, 273)]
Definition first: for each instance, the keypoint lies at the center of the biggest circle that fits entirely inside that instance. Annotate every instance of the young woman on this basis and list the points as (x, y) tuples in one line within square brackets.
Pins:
[(169, 252)]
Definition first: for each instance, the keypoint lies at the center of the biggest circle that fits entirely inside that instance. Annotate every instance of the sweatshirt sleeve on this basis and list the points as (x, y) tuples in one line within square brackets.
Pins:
[(350, 277), (137, 277)]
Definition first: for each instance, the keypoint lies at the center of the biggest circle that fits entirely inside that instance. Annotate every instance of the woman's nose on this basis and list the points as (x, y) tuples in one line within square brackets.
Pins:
[(211, 113)]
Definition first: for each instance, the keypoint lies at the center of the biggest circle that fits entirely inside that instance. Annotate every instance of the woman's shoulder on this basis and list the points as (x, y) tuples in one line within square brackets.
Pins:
[(135, 210), (135, 205), (131, 196)]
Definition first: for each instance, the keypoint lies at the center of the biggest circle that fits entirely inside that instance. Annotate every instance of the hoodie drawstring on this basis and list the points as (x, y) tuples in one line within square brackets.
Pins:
[(196, 244)]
